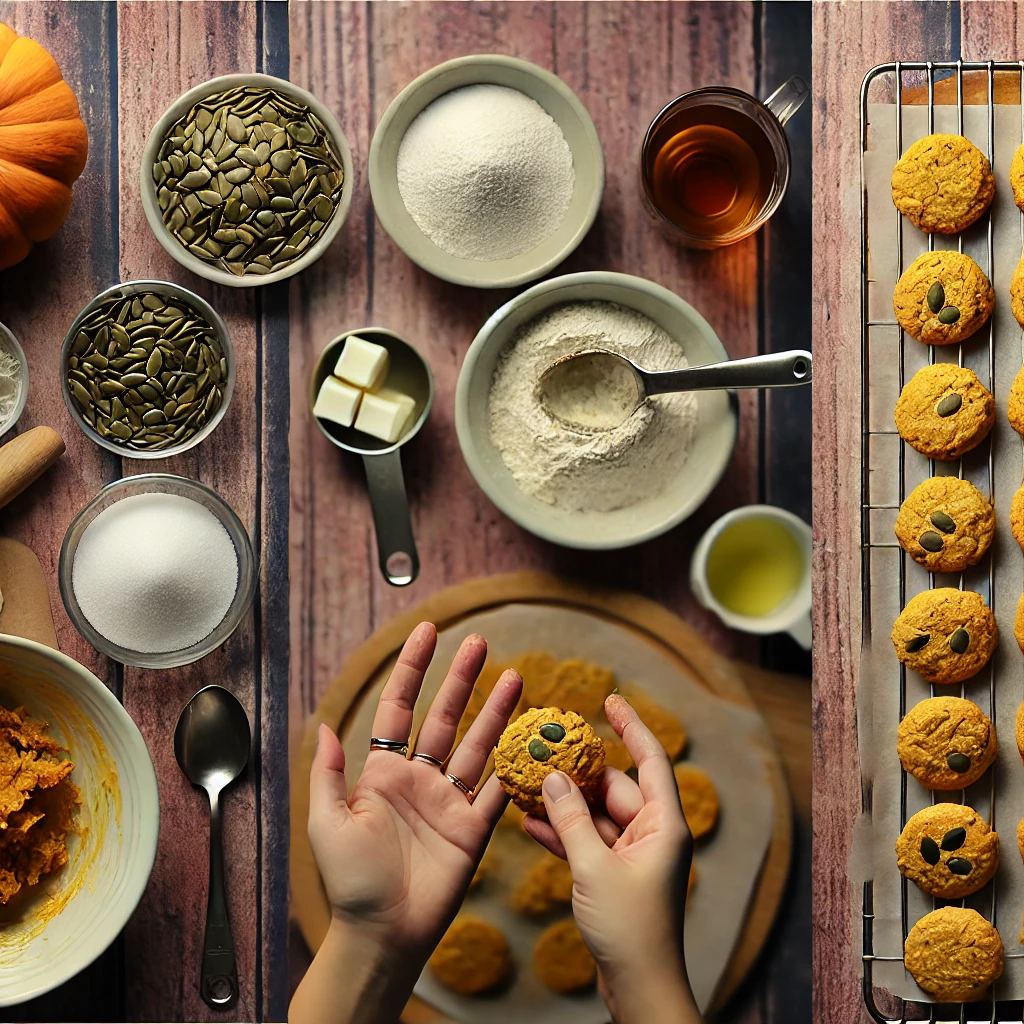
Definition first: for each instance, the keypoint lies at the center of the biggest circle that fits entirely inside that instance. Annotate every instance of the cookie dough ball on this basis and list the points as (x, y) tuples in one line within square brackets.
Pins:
[(667, 728), (572, 685), (1015, 403), (943, 183), (472, 957), (942, 298), (946, 743), (561, 958), (699, 798), (946, 634), (1017, 176), (541, 741), (954, 954), (1017, 293), (945, 524), (948, 850), (944, 411), (546, 885)]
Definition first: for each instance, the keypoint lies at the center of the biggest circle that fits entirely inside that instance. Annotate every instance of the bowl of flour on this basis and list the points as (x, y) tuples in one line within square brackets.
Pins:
[(592, 489), (486, 171)]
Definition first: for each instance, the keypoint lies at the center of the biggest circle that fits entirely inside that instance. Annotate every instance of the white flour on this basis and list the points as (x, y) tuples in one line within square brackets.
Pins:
[(602, 471), (10, 385), (485, 173)]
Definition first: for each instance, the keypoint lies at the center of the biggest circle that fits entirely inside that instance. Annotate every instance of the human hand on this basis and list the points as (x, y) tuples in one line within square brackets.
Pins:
[(397, 851), (630, 863)]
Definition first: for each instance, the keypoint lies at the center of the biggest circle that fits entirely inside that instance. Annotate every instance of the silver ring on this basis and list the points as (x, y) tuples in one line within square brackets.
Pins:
[(459, 784), (427, 759), (394, 746)]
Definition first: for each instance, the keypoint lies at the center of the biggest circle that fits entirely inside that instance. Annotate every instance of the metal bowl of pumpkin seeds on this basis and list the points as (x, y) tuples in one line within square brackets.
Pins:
[(147, 369), (246, 179)]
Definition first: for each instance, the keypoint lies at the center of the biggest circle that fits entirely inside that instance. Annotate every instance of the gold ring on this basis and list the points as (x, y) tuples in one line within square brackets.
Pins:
[(427, 759), (459, 784)]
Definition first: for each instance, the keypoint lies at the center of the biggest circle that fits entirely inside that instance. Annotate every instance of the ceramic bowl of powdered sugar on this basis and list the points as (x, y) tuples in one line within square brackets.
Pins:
[(486, 171), (592, 489)]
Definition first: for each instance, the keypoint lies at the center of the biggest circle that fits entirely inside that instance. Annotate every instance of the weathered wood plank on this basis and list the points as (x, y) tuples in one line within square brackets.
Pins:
[(164, 49), (991, 31), (849, 38)]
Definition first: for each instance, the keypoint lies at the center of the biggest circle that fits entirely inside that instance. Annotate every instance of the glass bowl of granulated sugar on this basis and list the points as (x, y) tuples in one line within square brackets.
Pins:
[(156, 571), (486, 171)]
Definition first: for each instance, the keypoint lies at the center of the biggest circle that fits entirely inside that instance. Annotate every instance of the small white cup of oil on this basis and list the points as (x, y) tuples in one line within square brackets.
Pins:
[(752, 568)]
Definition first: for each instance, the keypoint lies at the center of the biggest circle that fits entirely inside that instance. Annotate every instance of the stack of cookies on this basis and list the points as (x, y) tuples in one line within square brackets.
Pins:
[(943, 184)]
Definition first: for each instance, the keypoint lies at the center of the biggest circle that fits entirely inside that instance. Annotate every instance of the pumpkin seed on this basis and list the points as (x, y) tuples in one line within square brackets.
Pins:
[(539, 750), (959, 866), (552, 732), (915, 643), (949, 405), (954, 839), (930, 850), (942, 522), (949, 315), (959, 763), (960, 640), (936, 298), (930, 541)]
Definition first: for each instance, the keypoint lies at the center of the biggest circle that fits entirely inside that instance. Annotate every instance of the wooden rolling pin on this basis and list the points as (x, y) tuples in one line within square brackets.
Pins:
[(25, 458)]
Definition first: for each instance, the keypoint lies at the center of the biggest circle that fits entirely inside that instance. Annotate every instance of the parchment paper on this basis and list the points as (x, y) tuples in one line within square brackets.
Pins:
[(999, 687), (725, 739)]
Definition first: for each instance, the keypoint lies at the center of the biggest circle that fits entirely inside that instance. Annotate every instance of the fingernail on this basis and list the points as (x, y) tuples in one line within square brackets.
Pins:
[(557, 787)]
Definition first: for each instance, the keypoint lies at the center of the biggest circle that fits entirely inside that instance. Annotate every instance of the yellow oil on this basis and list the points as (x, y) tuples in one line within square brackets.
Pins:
[(754, 566)]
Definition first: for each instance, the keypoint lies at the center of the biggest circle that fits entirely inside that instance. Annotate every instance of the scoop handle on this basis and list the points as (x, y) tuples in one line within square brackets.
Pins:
[(25, 458), (396, 546), (777, 370)]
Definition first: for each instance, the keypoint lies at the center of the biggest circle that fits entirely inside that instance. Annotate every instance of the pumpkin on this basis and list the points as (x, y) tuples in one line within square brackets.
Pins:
[(43, 145)]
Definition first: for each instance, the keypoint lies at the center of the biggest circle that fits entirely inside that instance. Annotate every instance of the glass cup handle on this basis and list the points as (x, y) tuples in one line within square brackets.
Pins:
[(788, 99)]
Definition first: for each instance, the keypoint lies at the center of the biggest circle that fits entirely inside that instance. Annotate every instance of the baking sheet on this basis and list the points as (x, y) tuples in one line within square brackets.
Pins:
[(725, 739), (999, 687)]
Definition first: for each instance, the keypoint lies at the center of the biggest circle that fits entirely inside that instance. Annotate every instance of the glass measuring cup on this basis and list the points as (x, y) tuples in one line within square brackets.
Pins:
[(409, 373), (715, 162)]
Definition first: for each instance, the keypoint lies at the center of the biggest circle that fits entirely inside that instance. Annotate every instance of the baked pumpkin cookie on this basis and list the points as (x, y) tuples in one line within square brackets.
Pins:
[(1017, 293), (954, 954), (1018, 624), (1015, 403), (667, 728), (572, 685), (946, 743), (1017, 176), (944, 411), (561, 958), (472, 957), (1019, 731), (1017, 516), (943, 297), (1020, 837), (943, 183), (946, 634), (948, 850), (546, 885), (541, 741), (945, 524), (699, 797)]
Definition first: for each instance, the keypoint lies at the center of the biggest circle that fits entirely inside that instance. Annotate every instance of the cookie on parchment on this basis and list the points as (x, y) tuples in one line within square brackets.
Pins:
[(943, 297), (948, 850), (561, 958), (946, 743), (546, 885), (943, 183), (1017, 176), (473, 956), (1019, 731), (1017, 293), (954, 954), (946, 634), (699, 798), (944, 411), (945, 524), (1015, 403)]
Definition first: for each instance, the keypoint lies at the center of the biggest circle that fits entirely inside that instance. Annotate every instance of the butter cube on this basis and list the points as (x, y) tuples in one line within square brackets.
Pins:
[(337, 401), (362, 363), (385, 415)]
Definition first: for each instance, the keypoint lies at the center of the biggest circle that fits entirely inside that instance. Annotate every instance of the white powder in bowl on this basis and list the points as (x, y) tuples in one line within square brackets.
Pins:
[(589, 472), (485, 172), (155, 573)]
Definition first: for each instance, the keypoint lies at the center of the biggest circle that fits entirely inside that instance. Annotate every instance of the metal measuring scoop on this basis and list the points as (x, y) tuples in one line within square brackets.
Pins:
[(409, 373), (597, 390), (211, 744)]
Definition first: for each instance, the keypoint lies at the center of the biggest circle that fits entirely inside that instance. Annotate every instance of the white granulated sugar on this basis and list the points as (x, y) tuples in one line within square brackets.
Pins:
[(155, 573), (592, 472), (485, 172)]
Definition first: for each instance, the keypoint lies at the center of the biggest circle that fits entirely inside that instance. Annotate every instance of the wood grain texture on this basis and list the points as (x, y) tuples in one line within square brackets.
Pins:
[(849, 39)]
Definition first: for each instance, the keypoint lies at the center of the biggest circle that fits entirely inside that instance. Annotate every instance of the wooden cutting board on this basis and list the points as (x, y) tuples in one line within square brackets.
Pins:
[(26, 608), (659, 625)]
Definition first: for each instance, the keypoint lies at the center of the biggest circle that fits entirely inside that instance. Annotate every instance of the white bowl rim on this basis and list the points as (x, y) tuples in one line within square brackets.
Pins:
[(468, 444), (456, 276), (147, 186), (112, 923), (11, 341)]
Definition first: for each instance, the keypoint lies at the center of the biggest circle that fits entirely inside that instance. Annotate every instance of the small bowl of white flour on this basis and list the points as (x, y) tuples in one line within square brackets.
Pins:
[(586, 489), (486, 171)]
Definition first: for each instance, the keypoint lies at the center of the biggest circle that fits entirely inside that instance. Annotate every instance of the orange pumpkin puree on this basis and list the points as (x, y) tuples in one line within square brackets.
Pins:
[(37, 802)]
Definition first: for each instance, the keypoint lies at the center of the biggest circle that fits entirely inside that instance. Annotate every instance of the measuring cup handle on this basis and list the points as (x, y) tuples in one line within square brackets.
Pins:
[(788, 99), (396, 547)]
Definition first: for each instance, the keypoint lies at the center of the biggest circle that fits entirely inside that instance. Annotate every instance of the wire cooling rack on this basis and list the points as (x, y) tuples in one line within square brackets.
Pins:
[(889, 83)]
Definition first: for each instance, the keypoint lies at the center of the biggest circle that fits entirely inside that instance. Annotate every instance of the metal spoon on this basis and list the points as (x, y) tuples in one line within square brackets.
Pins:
[(211, 743), (597, 390)]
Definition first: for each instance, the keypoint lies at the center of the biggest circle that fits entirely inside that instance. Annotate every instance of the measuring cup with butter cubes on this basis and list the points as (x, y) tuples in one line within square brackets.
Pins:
[(371, 392)]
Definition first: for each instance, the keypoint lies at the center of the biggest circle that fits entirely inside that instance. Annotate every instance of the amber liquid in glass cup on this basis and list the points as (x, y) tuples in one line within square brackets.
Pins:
[(715, 163)]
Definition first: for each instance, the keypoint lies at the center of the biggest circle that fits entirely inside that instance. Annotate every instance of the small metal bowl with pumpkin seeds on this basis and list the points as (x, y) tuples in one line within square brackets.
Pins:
[(246, 179), (147, 369)]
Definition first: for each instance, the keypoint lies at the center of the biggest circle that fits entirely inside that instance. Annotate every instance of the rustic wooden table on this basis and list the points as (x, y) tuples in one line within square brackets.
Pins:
[(849, 39), (305, 504)]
